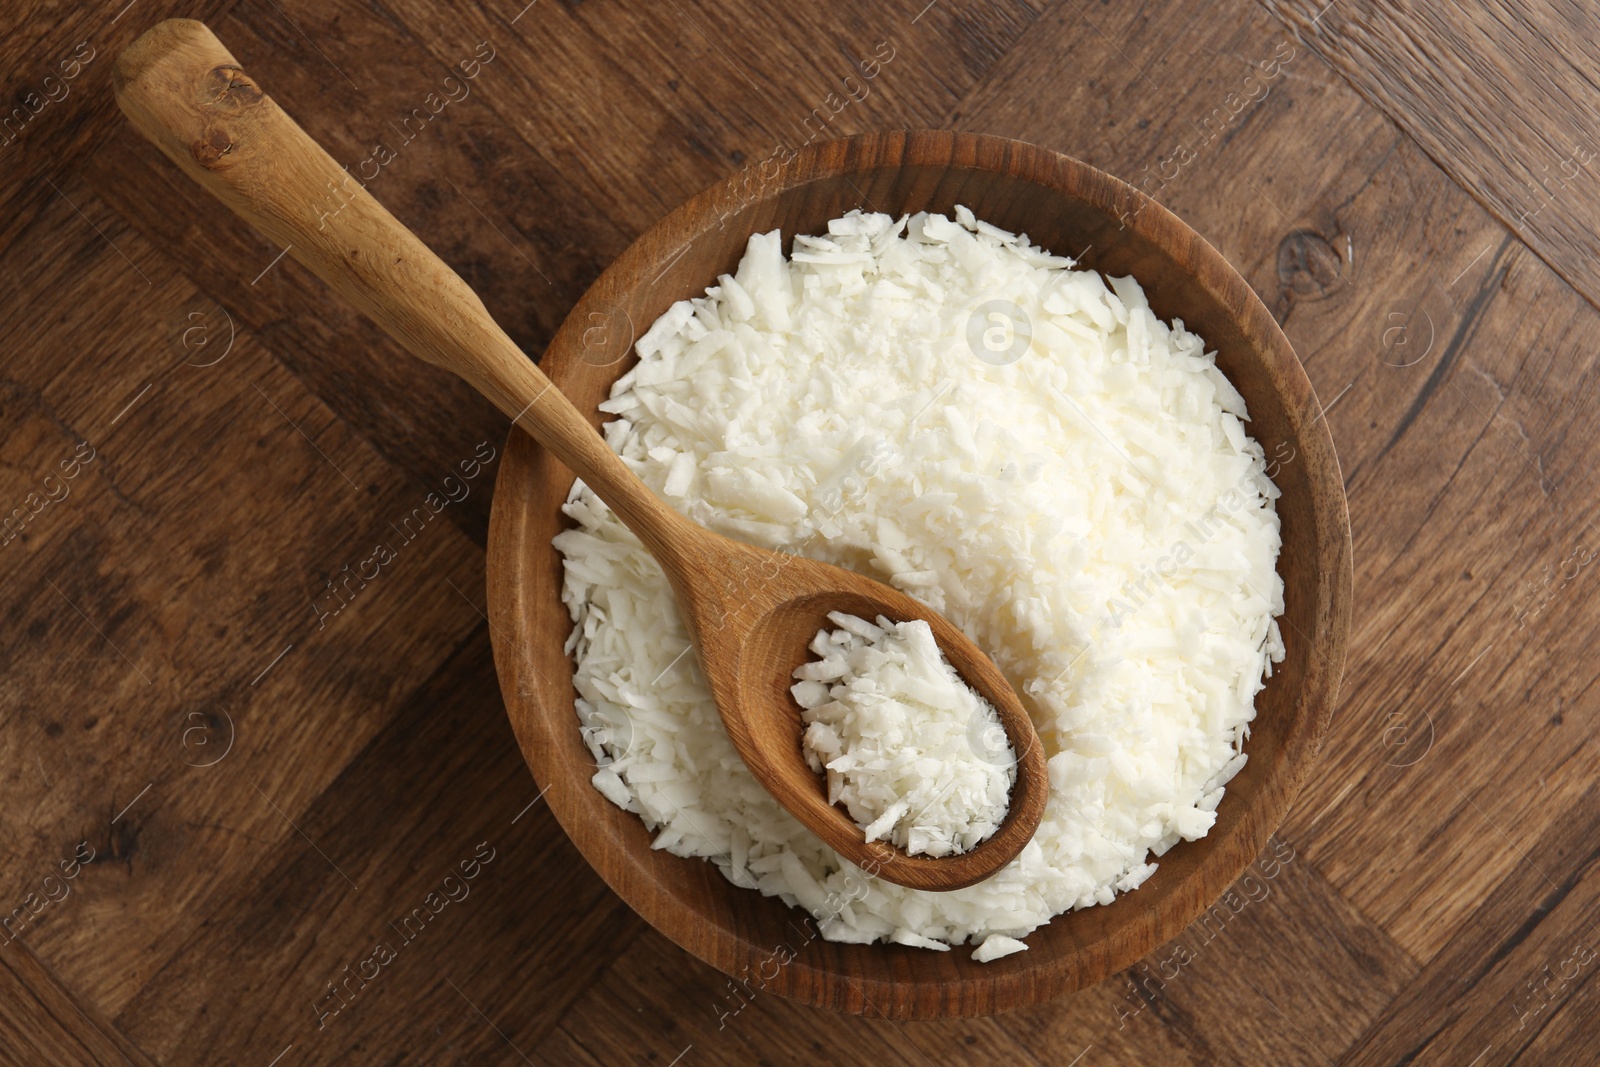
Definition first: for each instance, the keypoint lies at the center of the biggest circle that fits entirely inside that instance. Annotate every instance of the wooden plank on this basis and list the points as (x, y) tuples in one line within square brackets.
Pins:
[(655, 1003), (650, 103), (41, 1023), (441, 786), (1282, 970), (1501, 95), (1472, 514), (175, 587), (1571, 1029), (558, 1047), (1517, 982)]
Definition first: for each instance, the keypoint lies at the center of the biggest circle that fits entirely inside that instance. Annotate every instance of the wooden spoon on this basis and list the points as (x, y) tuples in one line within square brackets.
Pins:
[(751, 611)]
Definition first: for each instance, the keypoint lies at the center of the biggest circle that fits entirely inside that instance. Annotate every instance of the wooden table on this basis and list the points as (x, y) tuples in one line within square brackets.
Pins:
[(219, 793)]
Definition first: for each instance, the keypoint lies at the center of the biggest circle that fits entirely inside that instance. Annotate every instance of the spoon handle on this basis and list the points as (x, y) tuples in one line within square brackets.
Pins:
[(183, 90)]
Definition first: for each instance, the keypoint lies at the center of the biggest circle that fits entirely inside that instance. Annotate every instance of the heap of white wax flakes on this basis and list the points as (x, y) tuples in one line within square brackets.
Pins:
[(1024, 447), (913, 754)]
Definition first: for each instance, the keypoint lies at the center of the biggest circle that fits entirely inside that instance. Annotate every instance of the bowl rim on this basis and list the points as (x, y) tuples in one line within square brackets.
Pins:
[(1017, 981)]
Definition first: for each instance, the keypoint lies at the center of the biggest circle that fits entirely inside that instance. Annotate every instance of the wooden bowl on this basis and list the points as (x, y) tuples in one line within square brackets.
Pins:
[(1068, 208)]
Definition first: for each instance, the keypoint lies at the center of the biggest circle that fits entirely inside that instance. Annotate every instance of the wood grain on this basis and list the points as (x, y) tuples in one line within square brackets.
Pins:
[(222, 577), (1528, 958), (1370, 189), (1501, 96), (397, 824), (41, 1023)]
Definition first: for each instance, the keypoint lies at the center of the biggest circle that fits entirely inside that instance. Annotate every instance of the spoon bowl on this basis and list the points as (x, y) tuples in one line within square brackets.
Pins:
[(752, 622)]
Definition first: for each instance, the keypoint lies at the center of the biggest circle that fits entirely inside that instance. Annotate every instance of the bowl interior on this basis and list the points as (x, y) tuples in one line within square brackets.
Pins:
[(1070, 209)]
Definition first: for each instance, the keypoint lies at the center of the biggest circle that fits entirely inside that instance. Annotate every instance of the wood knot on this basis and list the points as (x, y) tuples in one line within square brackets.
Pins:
[(212, 148), (1310, 268), (226, 90), (1308, 265), (231, 87)]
